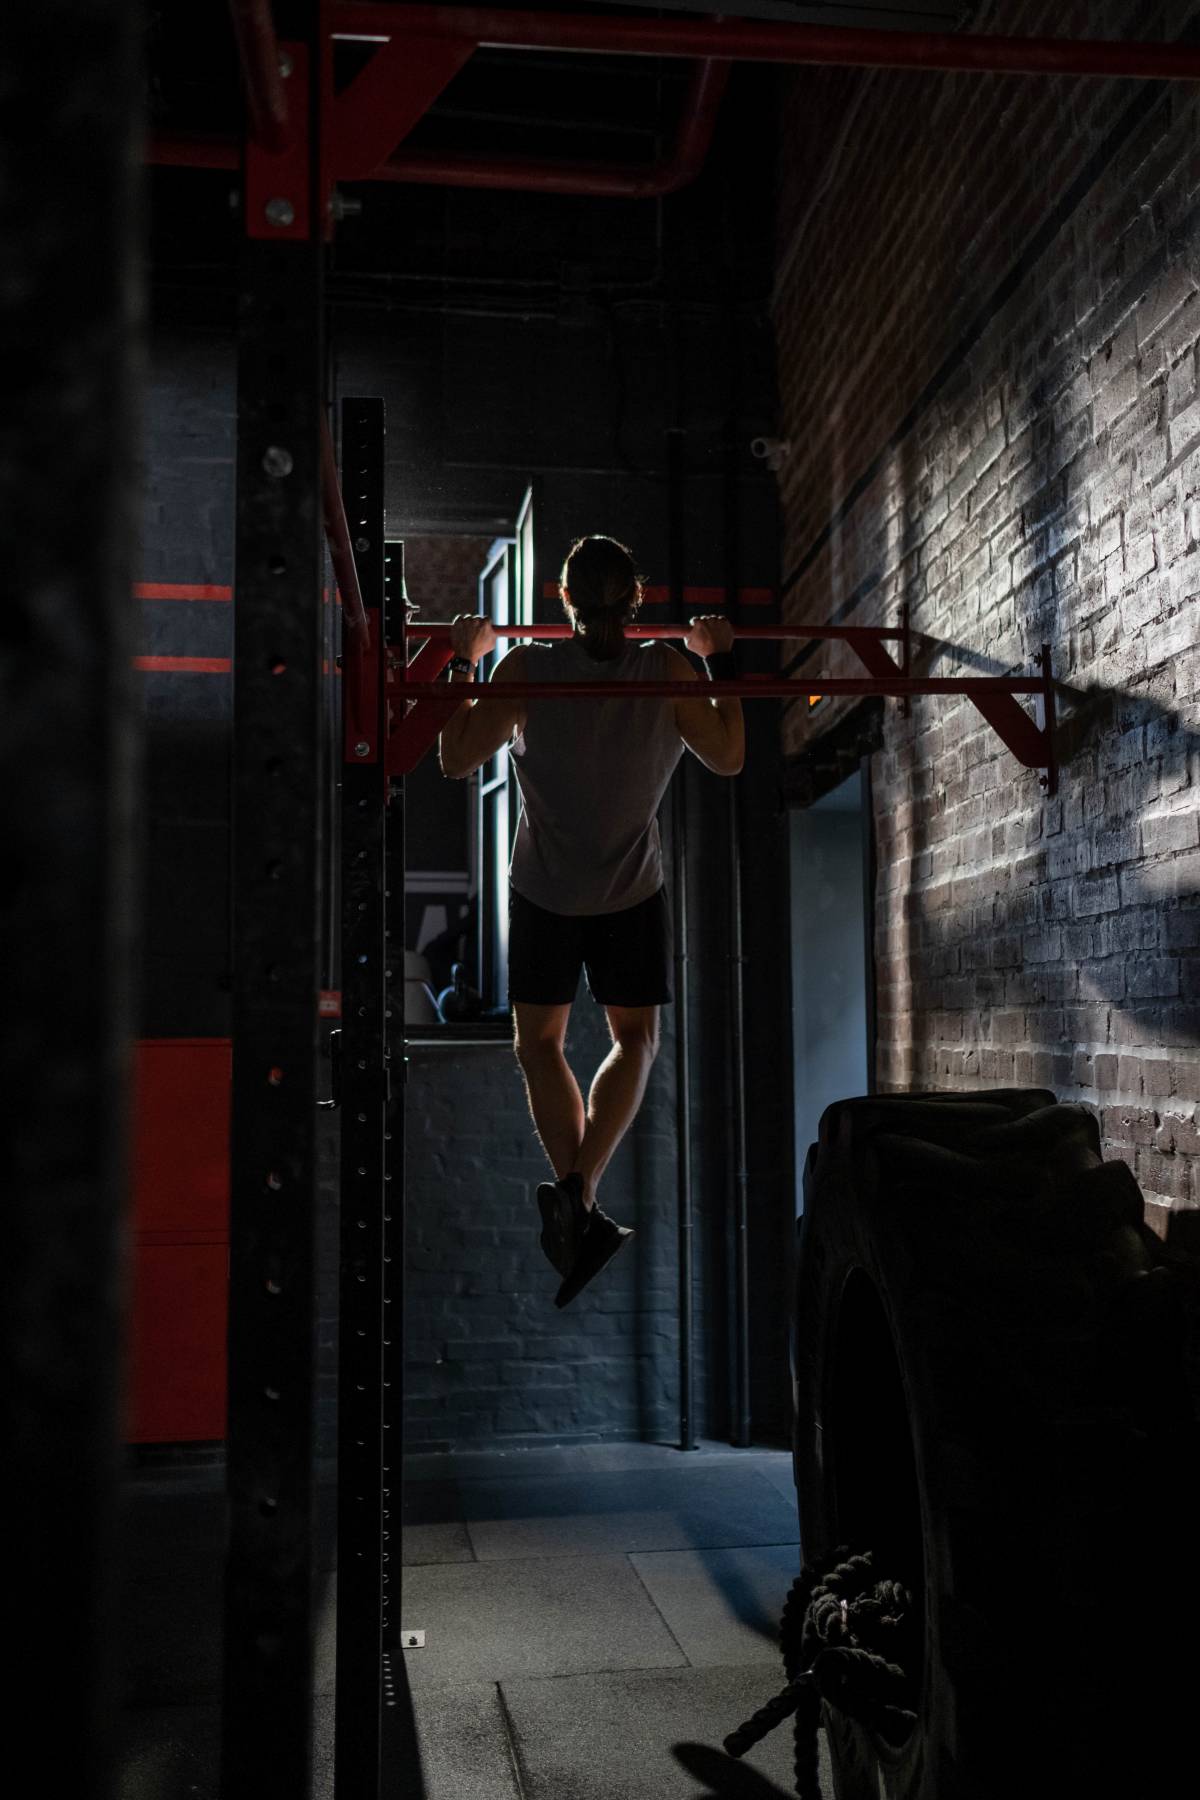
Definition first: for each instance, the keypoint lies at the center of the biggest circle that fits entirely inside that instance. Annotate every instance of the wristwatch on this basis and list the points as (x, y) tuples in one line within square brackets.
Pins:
[(460, 665)]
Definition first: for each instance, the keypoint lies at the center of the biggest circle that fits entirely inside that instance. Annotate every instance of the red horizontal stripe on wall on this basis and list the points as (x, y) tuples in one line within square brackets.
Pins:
[(184, 665), (179, 590), (196, 665)]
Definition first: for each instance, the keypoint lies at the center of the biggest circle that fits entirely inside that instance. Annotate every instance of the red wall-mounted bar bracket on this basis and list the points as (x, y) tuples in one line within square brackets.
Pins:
[(421, 705)]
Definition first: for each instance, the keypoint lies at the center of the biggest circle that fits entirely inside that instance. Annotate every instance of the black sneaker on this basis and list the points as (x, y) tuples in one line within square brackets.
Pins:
[(564, 1220), (602, 1239)]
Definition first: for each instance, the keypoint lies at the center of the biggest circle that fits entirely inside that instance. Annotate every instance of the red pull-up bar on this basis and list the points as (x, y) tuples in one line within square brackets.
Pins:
[(438, 631)]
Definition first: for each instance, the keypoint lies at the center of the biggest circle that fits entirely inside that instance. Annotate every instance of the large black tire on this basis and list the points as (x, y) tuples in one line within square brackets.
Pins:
[(990, 1396)]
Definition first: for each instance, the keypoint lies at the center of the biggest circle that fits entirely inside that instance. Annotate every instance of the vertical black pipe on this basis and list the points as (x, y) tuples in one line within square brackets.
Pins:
[(683, 1067), (732, 549), (400, 1764), (70, 312), (395, 1200), (737, 1050)]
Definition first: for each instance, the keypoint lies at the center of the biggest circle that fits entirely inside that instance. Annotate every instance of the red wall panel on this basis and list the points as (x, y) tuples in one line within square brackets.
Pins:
[(181, 1240)]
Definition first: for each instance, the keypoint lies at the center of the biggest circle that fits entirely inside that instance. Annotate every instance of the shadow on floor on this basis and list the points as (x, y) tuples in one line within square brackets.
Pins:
[(726, 1778)]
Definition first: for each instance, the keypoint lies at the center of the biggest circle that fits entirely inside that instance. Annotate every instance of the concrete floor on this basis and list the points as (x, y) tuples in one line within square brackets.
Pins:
[(596, 1619)]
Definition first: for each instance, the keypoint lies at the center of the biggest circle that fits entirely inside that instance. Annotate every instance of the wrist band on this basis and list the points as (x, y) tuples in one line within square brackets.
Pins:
[(461, 665), (721, 666)]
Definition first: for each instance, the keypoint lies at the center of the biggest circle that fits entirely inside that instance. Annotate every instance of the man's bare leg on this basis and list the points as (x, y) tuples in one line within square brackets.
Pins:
[(554, 1097), (617, 1090)]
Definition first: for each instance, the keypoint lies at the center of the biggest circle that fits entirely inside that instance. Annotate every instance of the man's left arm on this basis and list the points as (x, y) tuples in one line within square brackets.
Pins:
[(479, 728)]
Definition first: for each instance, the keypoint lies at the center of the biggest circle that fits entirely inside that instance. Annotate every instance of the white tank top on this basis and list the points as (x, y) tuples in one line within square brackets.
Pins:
[(592, 774)]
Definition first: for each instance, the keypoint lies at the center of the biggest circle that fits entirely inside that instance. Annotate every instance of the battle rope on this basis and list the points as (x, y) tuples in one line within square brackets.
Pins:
[(843, 1634)]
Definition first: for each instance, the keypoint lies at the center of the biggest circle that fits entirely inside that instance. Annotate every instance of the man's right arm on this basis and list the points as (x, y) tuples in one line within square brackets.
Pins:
[(712, 729)]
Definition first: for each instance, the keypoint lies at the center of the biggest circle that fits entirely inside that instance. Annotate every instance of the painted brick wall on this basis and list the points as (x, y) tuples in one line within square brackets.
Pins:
[(489, 1356), (987, 319), (441, 573)]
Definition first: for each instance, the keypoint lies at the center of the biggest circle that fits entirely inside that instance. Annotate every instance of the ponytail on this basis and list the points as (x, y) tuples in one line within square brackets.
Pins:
[(605, 591)]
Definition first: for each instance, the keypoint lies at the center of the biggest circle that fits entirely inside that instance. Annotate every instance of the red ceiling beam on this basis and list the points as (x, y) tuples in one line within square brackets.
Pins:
[(752, 40), (421, 47)]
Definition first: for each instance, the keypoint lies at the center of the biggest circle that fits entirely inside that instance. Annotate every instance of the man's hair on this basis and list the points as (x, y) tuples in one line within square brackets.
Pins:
[(605, 593)]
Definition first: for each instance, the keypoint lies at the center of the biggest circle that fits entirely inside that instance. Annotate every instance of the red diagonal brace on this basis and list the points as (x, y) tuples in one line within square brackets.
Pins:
[(874, 655), (1030, 742), (415, 731), (387, 98)]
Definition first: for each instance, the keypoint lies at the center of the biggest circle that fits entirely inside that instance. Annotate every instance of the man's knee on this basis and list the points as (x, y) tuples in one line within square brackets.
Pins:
[(537, 1050), (534, 1052), (538, 1034), (636, 1030)]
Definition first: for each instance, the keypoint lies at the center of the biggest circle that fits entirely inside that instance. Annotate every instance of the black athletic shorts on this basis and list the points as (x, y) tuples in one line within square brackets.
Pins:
[(626, 955)]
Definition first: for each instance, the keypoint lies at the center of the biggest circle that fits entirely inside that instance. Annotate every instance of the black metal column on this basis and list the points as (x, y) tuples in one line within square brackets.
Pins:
[(401, 1754), (69, 727), (364, 1148), (266, 1749)]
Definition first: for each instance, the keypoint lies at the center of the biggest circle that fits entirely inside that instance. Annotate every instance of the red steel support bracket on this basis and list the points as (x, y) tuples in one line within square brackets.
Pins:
[(360, 666), (1031, 741), (362, 704), (337, 531), (414, 725), (278, 185), (390, 95), (262, 73)]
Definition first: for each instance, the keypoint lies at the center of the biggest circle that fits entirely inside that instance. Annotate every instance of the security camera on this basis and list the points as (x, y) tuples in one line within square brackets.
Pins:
[(773, 451)]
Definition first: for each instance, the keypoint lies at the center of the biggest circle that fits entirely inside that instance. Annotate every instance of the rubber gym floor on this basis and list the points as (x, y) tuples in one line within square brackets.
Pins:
[(596, 1619)]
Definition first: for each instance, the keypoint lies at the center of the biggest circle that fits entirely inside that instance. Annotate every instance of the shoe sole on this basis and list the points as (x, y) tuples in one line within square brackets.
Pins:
[(553, 1239), (576, 1286)]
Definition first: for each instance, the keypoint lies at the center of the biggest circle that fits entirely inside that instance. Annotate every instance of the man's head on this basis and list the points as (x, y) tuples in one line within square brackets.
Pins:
[(601, 591)]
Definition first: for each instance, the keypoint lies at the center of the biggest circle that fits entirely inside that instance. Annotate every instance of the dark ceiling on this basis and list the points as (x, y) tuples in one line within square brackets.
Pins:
[(410, 241)]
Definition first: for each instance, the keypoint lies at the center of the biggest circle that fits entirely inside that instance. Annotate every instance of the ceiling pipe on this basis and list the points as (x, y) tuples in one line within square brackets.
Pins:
[(747, 40), (609, 180), (262, 73), (527, 174)]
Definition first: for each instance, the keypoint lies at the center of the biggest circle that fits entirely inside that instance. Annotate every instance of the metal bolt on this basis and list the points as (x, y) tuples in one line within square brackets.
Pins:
[(362, 545), (280, 211), (362, 748), (341, 207), (286, 64), (277, 461)]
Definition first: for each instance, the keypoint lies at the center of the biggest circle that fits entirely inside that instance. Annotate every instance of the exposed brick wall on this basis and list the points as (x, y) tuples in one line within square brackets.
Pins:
[(441, 573), (987, 340)]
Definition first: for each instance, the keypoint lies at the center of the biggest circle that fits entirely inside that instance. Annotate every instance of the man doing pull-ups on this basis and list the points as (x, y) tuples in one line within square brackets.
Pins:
[(586, 877)]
